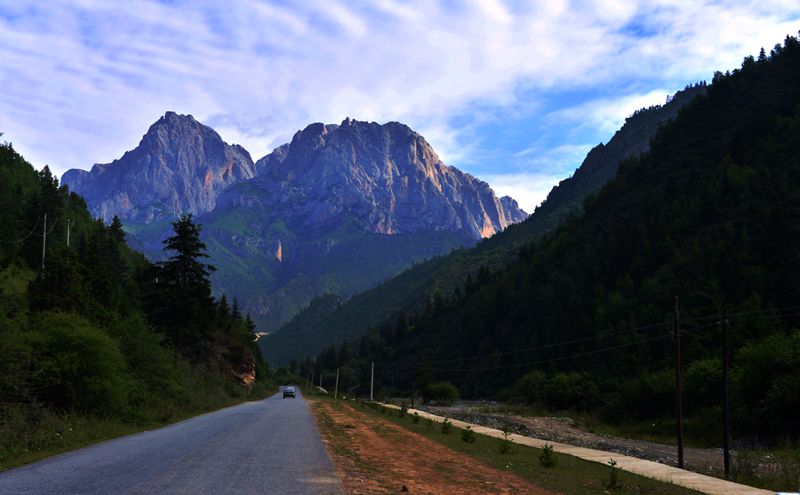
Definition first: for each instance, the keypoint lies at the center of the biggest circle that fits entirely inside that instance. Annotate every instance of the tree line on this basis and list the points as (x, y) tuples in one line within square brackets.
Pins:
[(90, 328)]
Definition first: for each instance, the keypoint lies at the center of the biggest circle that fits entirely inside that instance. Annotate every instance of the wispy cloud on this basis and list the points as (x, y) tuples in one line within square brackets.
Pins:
[(82, 80), (608, 114)]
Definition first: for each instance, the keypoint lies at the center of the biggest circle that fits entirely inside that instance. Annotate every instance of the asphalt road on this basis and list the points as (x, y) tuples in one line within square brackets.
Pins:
[(267, 447)]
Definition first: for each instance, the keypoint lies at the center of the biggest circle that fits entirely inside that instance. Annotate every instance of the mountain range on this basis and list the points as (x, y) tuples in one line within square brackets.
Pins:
[(331, 320), (337, 210)]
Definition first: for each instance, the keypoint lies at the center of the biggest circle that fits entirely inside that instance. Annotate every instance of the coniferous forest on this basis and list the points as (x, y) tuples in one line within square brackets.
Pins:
[(584, 318), (95, 340)]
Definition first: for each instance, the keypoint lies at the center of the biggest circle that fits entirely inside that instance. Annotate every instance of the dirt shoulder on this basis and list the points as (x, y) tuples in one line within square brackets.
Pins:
[(375, 456)]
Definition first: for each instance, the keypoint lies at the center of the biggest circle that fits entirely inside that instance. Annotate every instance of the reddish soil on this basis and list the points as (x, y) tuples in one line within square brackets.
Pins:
[(375, 456)]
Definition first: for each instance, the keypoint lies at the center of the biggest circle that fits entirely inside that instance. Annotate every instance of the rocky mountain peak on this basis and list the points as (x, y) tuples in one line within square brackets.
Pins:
[(386, 177), (180, 165)]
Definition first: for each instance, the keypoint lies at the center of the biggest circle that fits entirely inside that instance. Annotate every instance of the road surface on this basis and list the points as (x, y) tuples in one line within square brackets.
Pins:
[(266, 447)]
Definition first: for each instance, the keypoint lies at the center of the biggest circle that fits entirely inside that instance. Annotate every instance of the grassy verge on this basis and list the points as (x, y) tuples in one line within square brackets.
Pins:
[(32, 432), (775, 469), (569, 475)]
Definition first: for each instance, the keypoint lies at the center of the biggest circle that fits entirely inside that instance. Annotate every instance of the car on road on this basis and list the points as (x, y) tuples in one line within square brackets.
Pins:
[(289, 392)]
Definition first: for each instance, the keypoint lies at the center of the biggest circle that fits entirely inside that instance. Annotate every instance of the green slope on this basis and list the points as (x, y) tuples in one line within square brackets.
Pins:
[(411, 290), (82, 355)]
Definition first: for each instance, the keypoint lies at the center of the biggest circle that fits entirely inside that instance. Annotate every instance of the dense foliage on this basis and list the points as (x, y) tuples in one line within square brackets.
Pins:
[(89, 328), (583, 318)]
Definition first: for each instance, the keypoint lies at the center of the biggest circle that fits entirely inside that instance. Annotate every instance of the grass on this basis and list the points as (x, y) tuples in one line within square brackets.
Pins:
[(569, 475), (32, 433), (775, 469)]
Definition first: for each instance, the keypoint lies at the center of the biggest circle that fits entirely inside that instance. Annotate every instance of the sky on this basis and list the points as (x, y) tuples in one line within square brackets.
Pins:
[(515, 93)]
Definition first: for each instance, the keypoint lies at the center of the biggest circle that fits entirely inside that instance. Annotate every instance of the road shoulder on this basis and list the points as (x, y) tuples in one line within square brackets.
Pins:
[(374, 455)]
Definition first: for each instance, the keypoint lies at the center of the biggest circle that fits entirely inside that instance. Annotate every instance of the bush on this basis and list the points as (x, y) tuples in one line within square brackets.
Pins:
[(575, 391), (444, 392), (613, 482), (530, 387), (467, 435), (446, 426), (415, 418), (505, 445), (79, 366), (548, 458), (767, 386)]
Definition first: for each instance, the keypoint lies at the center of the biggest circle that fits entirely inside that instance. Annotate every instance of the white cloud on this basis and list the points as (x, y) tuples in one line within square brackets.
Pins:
[(529, 189), (544, 168), (82, 81), (608, 115)]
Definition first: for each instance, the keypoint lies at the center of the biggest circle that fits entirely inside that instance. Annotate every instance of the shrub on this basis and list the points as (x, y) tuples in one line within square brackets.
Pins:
[(403, 410), (415, 418), (467, 435), (548, 458), (80, 366), (444, 392), (613, 482), (446, 426), (505, 445)]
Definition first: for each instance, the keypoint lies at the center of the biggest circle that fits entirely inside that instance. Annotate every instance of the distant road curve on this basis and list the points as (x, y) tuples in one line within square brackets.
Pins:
[(266, 447)]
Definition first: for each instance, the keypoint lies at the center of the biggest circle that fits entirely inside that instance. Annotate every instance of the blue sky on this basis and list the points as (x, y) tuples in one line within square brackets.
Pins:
[(515, 93)]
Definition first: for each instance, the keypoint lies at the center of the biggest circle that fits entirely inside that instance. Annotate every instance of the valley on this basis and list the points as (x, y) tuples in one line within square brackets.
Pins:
[(642, 317)]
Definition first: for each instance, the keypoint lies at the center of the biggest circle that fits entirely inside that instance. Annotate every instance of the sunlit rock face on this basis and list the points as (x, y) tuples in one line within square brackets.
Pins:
[(339, 209), (179, 166), (386, 178)]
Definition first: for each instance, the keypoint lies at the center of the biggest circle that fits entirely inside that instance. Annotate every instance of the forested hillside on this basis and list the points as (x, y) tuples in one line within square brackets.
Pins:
[(583, 318), (93, 335), (323, 324)]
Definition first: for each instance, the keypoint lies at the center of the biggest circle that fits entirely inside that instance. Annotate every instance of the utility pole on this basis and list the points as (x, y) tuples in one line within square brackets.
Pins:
[(371, 380), (336, 387), (68, 224), (678, 382), (725, 409), (322, 372), (44, 242)]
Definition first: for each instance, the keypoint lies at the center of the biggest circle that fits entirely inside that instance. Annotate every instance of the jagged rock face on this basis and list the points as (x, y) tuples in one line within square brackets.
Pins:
[(387, 178), (179, 166)]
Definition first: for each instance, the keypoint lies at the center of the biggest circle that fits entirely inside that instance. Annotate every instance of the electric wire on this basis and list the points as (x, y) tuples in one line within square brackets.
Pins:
[(24, 238), (690, 331), (537, 348), (543, 361)]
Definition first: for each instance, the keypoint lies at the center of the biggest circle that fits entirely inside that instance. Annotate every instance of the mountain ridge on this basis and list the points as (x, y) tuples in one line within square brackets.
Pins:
[(289, 226), (179, 165)]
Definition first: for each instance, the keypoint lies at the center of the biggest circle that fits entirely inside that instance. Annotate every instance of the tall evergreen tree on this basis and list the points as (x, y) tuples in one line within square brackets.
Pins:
[(186, 306)]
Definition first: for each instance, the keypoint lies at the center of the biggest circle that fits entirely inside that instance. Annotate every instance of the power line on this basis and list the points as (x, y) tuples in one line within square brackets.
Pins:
[(50, 230), (742, 313), (536, 348), (24, 238), (692, 331), (543, 361)]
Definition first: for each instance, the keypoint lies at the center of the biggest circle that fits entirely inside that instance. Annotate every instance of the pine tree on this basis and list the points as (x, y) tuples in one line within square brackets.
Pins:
[(186, 306)]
